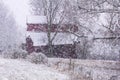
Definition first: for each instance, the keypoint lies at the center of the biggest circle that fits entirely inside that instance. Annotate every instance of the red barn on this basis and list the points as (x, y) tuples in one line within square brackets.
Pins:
[(63, 43)]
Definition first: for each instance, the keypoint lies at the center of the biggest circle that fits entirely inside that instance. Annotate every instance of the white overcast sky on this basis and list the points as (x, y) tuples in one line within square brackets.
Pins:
[(20, 9)]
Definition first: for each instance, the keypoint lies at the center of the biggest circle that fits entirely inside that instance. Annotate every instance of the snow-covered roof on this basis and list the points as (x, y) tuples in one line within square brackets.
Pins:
[(40, 39), (36, 19), (40, 20)]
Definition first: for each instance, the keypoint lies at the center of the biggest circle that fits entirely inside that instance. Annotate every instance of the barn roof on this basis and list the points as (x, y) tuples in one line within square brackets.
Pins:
[(36, 20), (40, 39)]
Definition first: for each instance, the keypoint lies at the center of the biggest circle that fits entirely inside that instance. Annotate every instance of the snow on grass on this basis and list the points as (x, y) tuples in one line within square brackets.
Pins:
[(23, 70)]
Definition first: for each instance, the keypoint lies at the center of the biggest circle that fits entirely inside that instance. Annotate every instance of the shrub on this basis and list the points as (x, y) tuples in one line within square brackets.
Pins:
[(7, 53), (37, 58), (14, 54)]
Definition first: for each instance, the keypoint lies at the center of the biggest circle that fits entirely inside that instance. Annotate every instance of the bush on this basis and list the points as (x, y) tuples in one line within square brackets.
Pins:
[(7, 53), (14, 54), (20, 54), (37, 58)]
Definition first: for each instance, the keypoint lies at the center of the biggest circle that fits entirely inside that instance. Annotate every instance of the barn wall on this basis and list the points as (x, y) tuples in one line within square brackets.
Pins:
[(61, 51)]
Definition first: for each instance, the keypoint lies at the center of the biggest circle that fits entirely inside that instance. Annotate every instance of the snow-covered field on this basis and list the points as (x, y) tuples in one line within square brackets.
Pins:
[(19, 69), (88, 69), (11, 69)]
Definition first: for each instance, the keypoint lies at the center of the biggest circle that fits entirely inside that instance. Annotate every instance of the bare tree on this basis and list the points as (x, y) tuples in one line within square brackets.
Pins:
[(83, 13), (54, 11), (99, 6)]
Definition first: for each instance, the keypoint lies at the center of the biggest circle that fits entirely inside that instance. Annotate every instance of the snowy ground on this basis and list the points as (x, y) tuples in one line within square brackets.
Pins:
[(22, 70), (88, 69)]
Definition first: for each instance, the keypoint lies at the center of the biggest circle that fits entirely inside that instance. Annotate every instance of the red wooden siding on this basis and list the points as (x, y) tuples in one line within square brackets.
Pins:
[(54, 28)]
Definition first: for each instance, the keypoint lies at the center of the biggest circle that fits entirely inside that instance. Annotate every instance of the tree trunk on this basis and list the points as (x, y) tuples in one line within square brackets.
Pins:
[(50, 49)]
